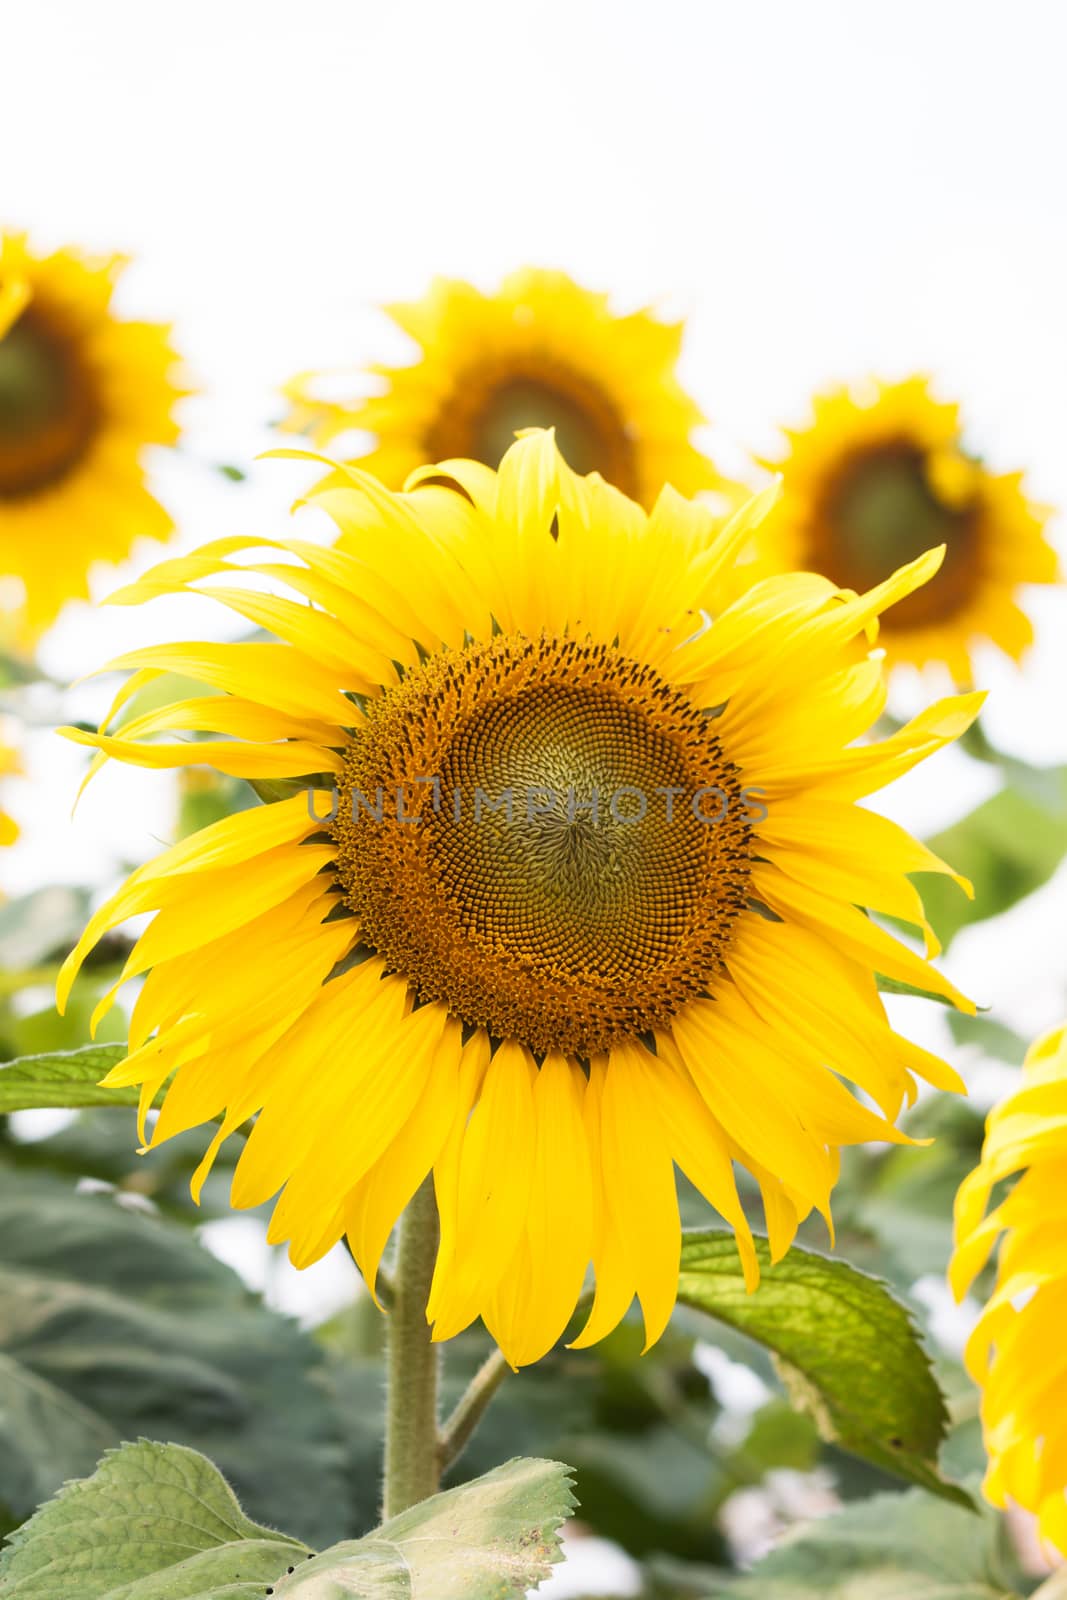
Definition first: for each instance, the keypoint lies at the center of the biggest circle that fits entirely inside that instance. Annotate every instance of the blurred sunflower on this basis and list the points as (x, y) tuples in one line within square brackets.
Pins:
[(881, 475), (81, 393), (540, 352), (1015, 1353), (650, 953), (9, 764)]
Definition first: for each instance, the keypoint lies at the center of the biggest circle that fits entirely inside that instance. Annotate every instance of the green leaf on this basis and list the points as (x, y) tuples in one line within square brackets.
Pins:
[(779, 1437), (159, 1522), (846, 1349), (1008, 846), (115, 1323), (491, 1539), (890, 1547), (154, 1522), (67, 1078)]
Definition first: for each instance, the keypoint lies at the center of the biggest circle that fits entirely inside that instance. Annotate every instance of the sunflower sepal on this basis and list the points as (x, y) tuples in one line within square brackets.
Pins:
[(271, 790), (897, 986)]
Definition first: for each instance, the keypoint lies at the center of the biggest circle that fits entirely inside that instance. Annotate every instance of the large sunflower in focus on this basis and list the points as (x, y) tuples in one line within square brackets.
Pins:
[(582, 903), (1015, 1353), (81, 393), (541, 352), (881, 475)]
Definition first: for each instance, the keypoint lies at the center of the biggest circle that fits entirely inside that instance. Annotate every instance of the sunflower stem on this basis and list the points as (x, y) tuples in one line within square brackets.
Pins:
[(412, 1471), (471, 1408)]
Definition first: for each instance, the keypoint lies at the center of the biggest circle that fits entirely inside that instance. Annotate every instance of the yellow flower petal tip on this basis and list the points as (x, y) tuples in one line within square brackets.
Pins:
[(82, 394), (880, 475), (533, 921)]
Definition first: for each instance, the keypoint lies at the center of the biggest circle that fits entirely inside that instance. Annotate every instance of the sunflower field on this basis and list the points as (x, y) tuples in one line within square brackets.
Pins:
[(533, 801)]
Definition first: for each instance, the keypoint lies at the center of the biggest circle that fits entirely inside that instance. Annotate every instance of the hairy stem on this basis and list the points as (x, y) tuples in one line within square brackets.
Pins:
[(470, 1408), (412, 1472)]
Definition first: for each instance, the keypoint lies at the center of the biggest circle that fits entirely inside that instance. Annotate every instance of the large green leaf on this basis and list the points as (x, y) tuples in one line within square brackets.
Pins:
[(154, 1522), (1008, 846), (492, 1539), (890, 1547), (69, 1078), (158, 1522), (115, 1323), (847, 1350)]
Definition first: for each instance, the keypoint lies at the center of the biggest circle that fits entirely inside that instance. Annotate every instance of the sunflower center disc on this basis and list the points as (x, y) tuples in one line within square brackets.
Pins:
[(880, 513), (579, 845), (46, 410), (489, 408)]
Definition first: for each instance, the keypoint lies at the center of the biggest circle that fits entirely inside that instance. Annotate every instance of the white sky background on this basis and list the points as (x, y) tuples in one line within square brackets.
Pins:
[(822, 188)]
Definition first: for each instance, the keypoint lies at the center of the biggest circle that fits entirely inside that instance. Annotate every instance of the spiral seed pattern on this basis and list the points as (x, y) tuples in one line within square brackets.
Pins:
[(573, 876)]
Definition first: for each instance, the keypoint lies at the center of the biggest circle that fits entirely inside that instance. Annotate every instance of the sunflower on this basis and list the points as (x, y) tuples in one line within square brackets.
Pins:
[(540, 352), (9, 764), (577, 900), (81, 392), (1015, 1353), (881, 475)]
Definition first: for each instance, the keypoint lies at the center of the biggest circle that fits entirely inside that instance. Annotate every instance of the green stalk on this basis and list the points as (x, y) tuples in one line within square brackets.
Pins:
[(412, 1471), (471, 1408)]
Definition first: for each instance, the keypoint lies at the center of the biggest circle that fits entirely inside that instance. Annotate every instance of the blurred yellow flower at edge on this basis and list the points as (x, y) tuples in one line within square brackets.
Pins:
[(81, 393), (539, 352), (1015, 1353), (545, 1013), (9, 763), (880, 475)]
